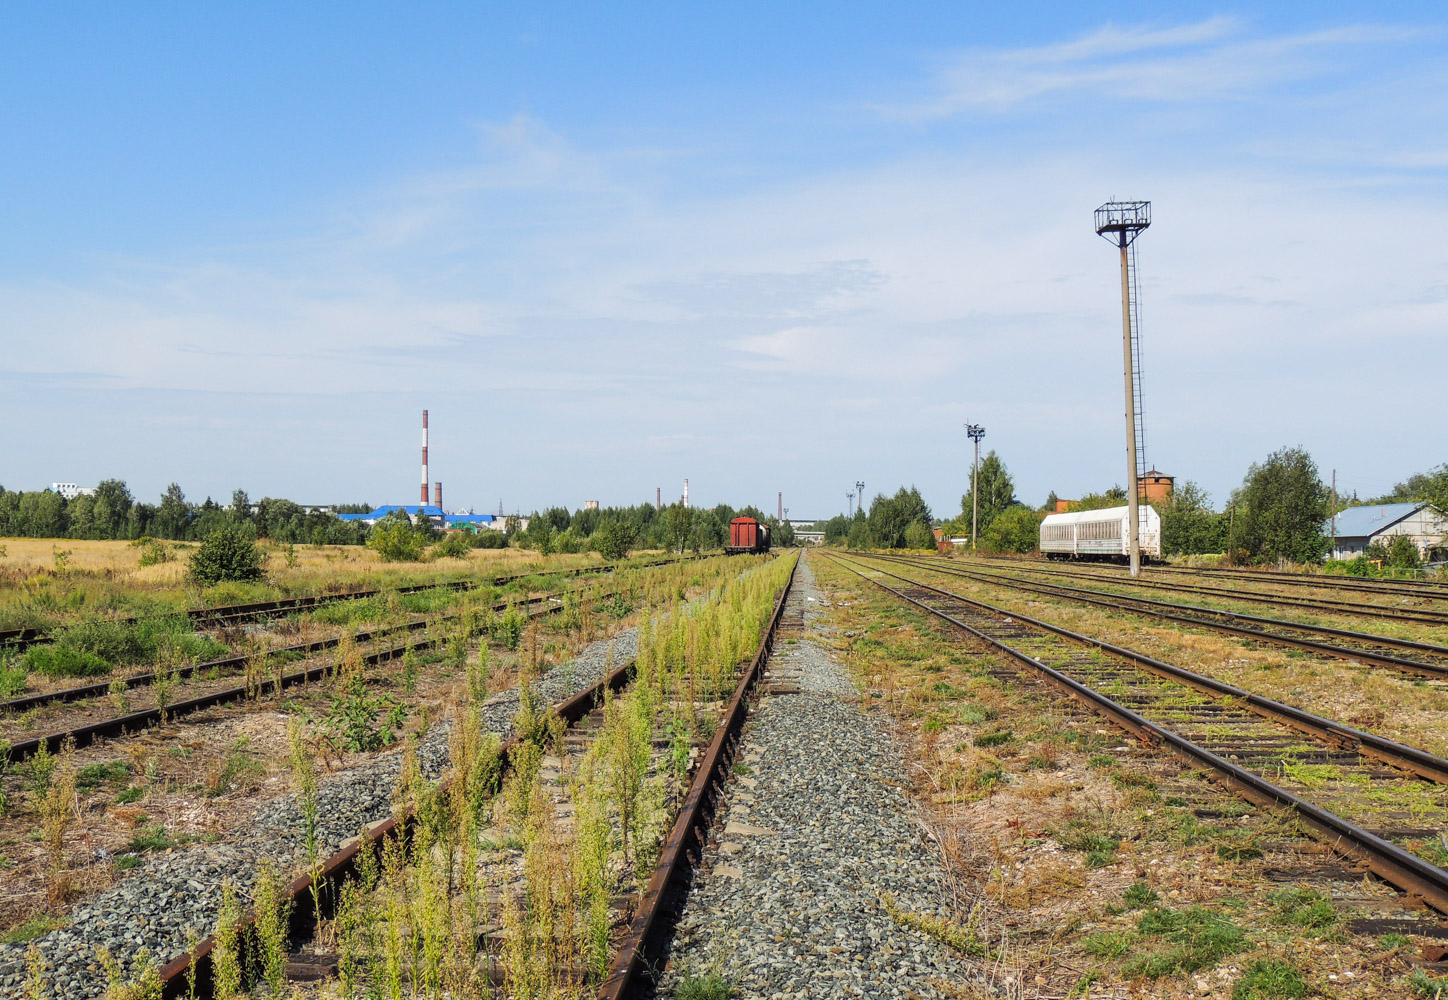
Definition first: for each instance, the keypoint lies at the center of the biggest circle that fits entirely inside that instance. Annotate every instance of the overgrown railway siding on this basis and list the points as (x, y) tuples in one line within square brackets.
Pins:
[(1407, 613), (1025, 777), (1317, 784), (1429, 660)]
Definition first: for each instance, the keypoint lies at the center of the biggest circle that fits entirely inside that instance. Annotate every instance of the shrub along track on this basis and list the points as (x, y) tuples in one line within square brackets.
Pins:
[(645, 918), (1239, 736), (18, 639), (1421, 616), (1431, 660)]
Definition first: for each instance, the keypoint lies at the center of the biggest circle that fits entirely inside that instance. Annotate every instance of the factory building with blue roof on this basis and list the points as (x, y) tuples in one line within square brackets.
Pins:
[(466, 522)]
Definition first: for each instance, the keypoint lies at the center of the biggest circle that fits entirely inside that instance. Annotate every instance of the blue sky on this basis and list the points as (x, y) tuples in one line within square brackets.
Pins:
[(768, 249)]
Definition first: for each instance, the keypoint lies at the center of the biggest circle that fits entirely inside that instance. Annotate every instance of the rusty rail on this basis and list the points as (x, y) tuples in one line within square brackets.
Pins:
[(665, 888)]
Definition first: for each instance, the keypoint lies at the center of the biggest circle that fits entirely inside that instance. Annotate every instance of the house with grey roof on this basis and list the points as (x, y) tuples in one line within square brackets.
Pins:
[(1355, 528)]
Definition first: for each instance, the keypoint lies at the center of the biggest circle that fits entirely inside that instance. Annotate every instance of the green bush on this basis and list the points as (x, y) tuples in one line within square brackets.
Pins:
[(63, 661), (487, 538), (1016, 529), (13, 677), (227, 553), (75, 650), (456, 545), (396, 542)]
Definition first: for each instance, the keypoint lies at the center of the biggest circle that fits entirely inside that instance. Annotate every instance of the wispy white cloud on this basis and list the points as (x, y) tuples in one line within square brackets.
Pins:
[(1210, 60)]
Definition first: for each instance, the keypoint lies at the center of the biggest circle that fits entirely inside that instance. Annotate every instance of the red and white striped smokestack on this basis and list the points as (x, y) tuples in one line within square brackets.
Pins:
[(424, 458), (437, 495)]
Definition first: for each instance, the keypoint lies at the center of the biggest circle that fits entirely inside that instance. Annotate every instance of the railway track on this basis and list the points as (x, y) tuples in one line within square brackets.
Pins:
[(1365, 796), (131, 722), (1429, 589), (1420, 616), (1431, 659), (19, 639), (192, 974)]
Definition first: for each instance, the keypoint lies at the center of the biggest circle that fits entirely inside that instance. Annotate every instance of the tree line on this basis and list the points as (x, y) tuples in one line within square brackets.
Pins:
[(112, 512), (612, 531), (1277, 514)]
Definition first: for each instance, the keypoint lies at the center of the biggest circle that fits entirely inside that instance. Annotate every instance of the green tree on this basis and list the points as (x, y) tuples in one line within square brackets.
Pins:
[(614, 537), (1188, 523), (240, 509), (114, 498), (889, 518), (226, 553), (997, 492), (1280, 509), (919, 536), (677, 520), (1402, 553), (174, 513), (81, 512), (1015, 529)]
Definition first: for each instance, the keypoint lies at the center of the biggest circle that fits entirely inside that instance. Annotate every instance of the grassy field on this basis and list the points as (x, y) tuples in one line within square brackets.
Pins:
[(45, 582)]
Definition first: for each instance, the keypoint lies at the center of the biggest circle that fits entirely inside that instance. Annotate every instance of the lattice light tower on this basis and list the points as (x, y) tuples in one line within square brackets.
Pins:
[(1121, 222)]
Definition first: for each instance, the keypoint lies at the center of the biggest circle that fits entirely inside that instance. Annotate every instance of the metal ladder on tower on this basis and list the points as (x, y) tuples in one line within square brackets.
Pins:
[(1134, 285)]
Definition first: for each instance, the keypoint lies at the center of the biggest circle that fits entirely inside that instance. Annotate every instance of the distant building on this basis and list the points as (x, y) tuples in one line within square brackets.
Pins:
[(1155, 487), (590, 505), (1355, 528), (69, 491)]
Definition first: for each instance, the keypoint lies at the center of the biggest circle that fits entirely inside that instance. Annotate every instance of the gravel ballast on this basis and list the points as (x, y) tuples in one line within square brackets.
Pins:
[(155, 905), (814, 834)]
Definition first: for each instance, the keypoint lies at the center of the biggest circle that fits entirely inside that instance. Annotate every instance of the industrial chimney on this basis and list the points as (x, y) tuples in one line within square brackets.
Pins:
[(781, 505), (686, 494), (424, 458), (658, 498), (437, 495)]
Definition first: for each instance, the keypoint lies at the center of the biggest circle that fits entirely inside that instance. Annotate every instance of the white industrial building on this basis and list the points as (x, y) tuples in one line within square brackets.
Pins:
[(1355, 528), (69, 491)]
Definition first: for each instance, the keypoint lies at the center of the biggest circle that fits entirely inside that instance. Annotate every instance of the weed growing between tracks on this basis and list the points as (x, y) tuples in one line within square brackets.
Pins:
[(535, 867), (1089, 865), (487, 845)]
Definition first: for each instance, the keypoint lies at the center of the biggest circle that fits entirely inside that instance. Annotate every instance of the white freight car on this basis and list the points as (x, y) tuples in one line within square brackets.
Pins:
[(1100, 534)]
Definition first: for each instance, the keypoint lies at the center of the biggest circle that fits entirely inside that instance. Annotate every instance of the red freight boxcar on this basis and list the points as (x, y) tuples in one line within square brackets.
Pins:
[(747, 535)]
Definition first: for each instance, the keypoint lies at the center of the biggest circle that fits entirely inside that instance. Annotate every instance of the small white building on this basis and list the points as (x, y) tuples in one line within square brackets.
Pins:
[(1355, 528), (69, 491)]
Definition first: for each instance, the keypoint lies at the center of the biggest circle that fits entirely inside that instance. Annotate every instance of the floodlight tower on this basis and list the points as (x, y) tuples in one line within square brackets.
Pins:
[(1121, 222), (975, 432), (850, 505), (860, 497)]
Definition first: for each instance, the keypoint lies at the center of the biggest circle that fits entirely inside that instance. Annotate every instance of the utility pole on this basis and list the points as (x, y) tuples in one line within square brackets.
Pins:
[(1334, 514), (1121, 222), (976, 432), (850, 506)]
